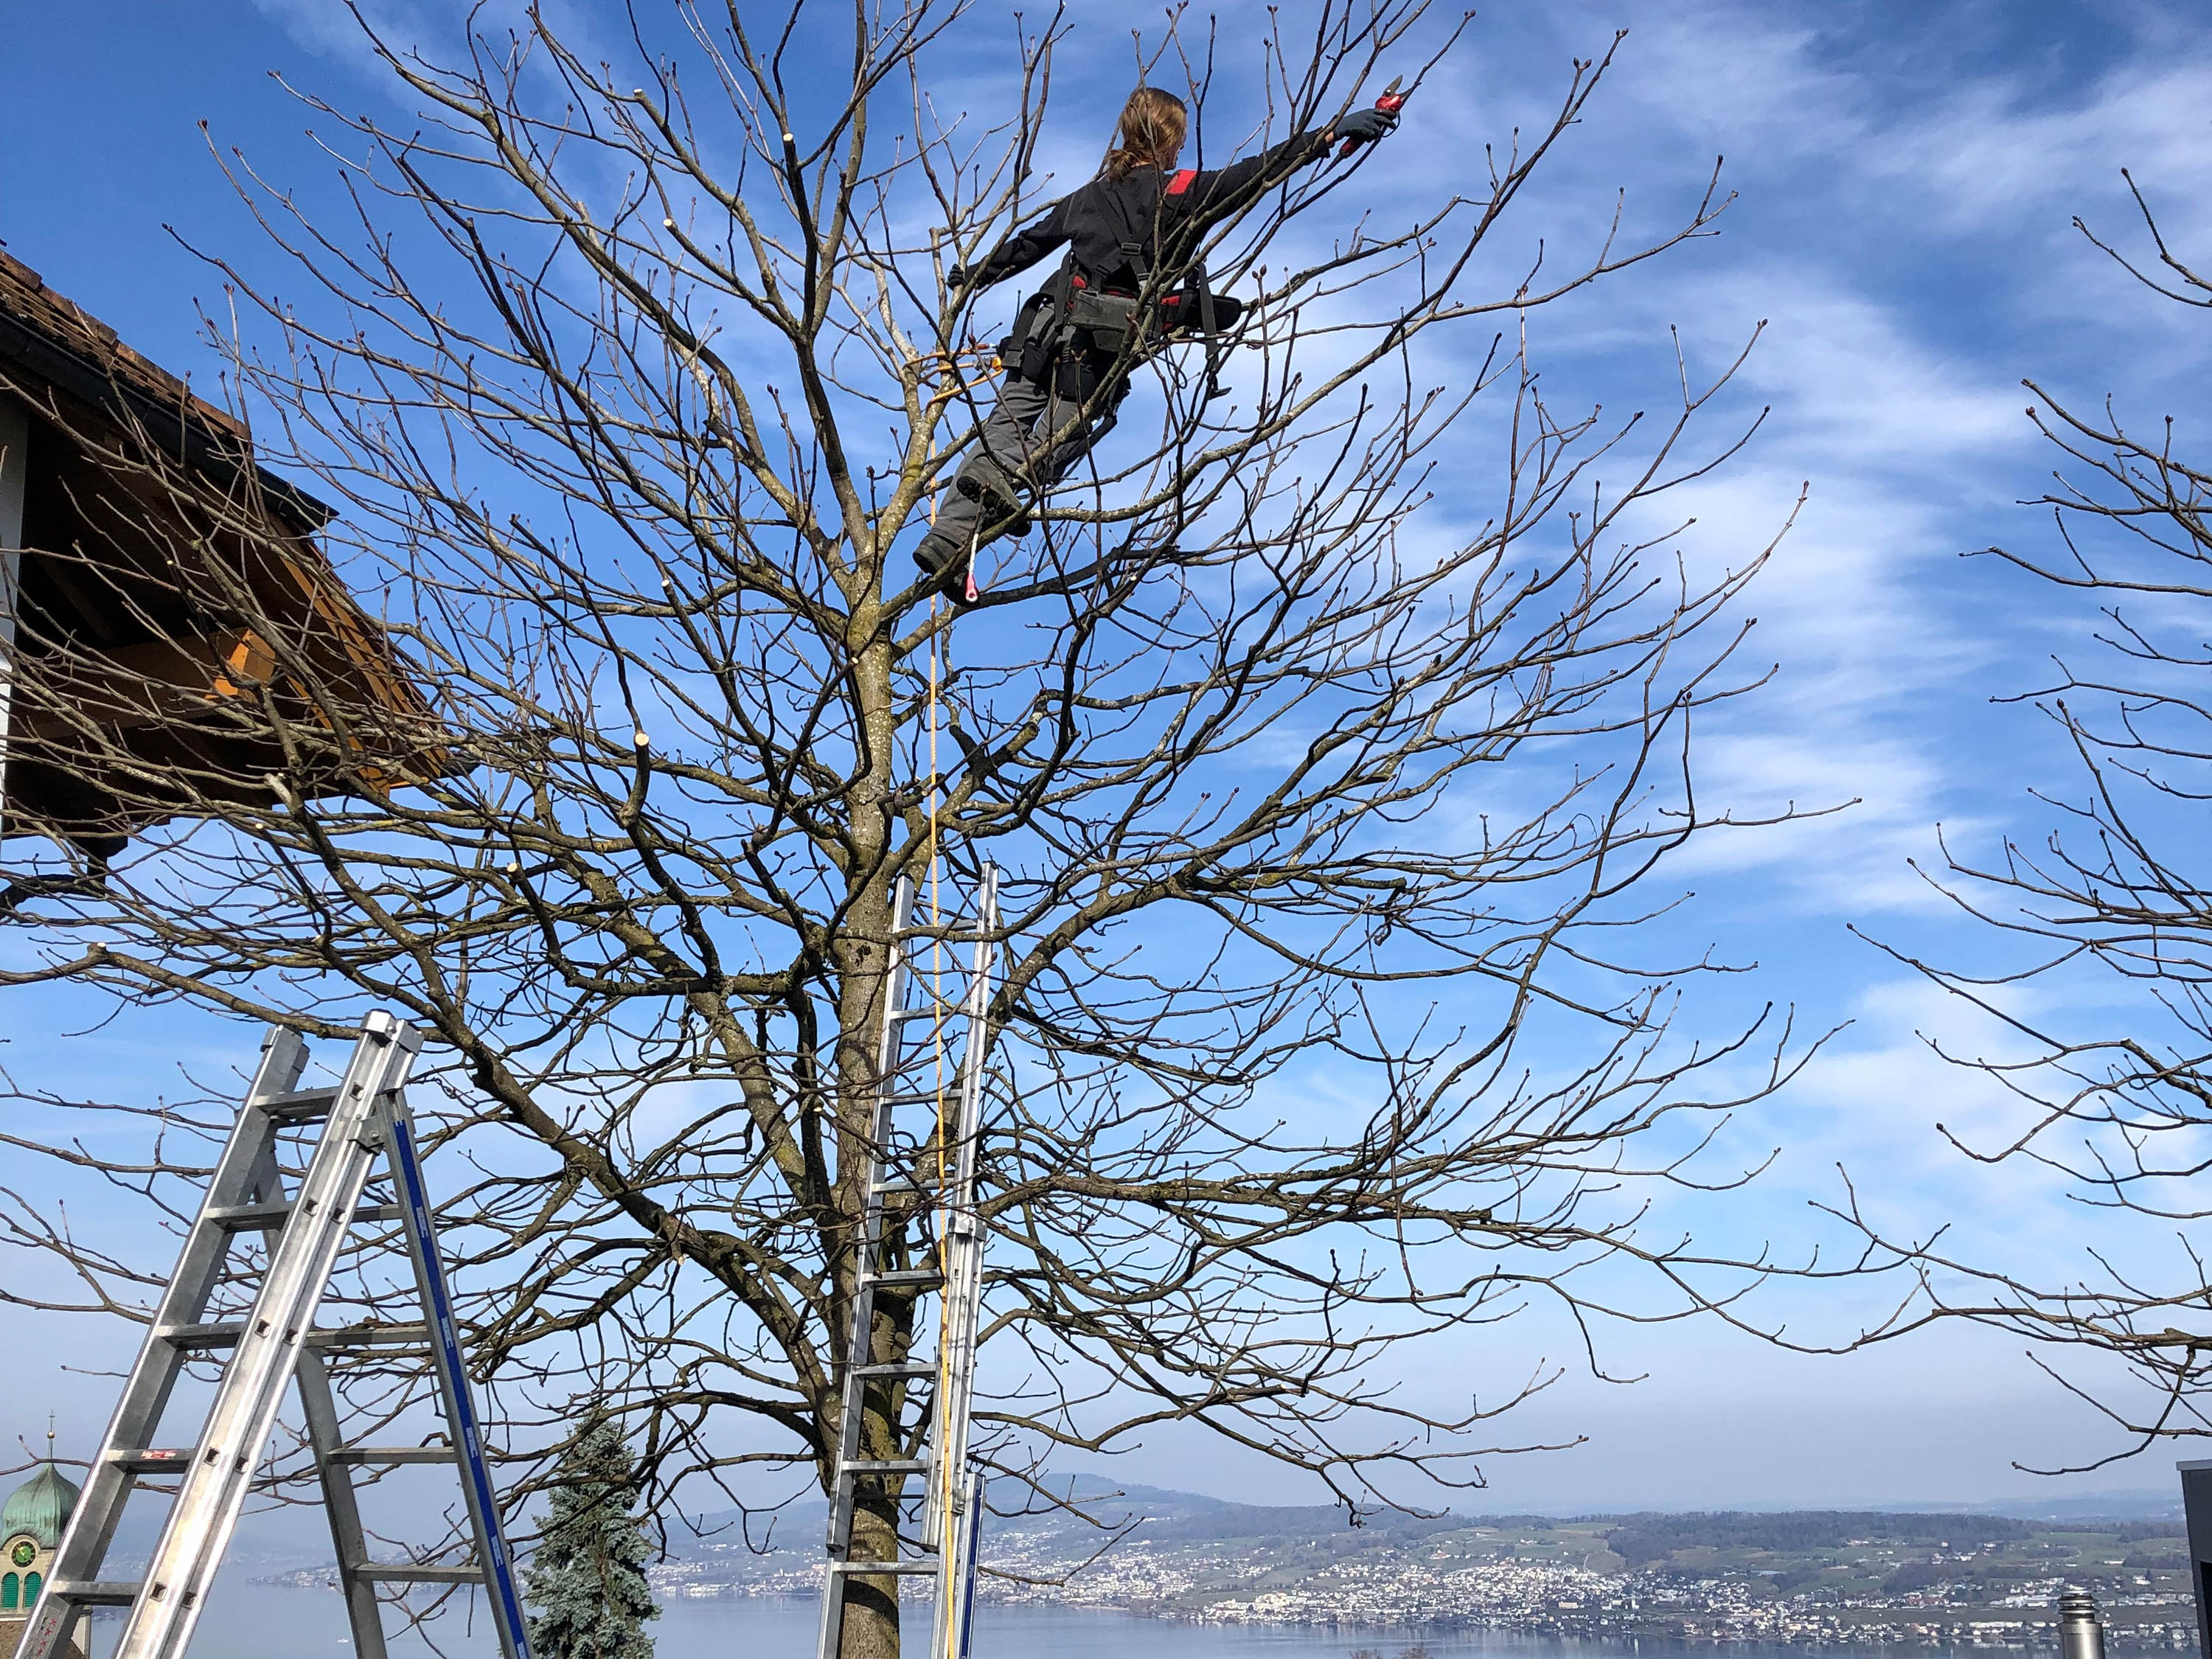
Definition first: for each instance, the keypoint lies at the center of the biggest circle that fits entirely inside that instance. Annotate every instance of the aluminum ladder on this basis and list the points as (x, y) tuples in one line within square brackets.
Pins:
[(938, 1164), (363, 1121)]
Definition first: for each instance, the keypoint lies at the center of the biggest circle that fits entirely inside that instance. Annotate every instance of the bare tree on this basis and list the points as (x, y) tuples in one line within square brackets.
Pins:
[(1327, 830), (2114, 897)]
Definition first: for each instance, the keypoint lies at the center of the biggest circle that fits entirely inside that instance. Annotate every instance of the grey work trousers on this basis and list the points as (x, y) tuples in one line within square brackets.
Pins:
[(1033, 432)]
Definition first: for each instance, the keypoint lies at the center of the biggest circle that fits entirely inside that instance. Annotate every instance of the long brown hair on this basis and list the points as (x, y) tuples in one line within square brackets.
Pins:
[(1150, 132)]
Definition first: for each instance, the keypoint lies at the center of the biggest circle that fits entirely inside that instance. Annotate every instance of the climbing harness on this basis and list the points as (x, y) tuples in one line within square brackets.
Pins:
[(1094, 321)]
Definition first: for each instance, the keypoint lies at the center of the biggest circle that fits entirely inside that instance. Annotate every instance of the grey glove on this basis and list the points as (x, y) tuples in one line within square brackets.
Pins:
[(1365, 126)]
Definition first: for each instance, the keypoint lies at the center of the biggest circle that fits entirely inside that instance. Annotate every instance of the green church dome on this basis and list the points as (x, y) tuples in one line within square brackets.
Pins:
[(41, 1506)]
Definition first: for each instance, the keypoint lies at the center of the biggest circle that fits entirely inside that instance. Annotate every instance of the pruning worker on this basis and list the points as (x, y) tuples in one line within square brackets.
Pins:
[(1073, 342)]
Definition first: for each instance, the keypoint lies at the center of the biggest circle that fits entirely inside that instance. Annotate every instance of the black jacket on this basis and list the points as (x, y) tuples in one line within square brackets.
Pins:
[(1154, 206)]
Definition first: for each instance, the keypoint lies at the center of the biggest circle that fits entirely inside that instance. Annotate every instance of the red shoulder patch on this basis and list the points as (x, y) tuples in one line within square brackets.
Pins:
[(1181, 182)]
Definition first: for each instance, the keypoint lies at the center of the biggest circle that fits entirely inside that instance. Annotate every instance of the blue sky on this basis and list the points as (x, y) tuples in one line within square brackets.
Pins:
[(1907, 175)]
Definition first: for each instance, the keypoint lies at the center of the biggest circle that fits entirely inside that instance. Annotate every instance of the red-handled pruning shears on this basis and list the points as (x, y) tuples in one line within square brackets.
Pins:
[(1389, 103)]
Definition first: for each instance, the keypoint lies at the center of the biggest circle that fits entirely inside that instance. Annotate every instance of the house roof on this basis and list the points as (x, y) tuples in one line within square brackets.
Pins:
[(170, 587), (46, 336)]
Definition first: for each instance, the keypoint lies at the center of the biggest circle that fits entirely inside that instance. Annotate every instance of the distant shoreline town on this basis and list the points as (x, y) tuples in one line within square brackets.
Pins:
[(1581, 1606), (1814, 1579), (1907, 1582)]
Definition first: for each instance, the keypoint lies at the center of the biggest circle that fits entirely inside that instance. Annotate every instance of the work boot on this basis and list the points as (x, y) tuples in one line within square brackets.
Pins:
[(944, 564), (998, 492)]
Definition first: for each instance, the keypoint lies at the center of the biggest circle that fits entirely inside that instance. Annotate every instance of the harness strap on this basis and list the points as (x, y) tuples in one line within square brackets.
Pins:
[(1133, 245), (1207, 329), (1208, 326)]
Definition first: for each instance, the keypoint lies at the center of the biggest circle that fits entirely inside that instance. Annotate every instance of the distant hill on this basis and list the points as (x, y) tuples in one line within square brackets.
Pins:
[(1166, 1515), (2145, 1504), (1644, 1538), (2135, 1504)]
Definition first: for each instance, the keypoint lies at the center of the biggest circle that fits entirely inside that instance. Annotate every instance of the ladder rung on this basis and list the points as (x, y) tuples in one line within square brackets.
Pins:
[(917, 1564), (903, 1276), (226, 1333), (92, 1594), (886, 1465), (391, 1455), (150, 1459), (901, 1016), (301, 1102), (403, 1334), (413, 1572), (246, 1217), (913, 1097), (893, 1186), (898, 1368)]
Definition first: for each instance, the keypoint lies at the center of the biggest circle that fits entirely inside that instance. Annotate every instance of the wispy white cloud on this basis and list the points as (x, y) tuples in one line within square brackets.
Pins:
[(1905, 232), (331, 32)]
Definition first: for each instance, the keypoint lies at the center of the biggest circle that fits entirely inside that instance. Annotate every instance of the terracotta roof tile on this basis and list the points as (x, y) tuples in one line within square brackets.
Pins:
[(25, 297)]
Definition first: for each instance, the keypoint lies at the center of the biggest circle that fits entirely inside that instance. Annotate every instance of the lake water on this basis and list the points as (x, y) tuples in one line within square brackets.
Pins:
[(256, 1621)]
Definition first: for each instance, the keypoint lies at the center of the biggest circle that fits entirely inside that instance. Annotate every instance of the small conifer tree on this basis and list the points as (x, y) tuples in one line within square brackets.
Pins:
[(586, 1585)]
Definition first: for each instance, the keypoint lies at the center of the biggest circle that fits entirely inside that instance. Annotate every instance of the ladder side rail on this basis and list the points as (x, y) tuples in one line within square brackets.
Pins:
[(850, 1401), (891, 1062), (960, 1252), (508, 1621), (894, 1060), (969, 1125), (861, 1339), (962, 1305), (890, 1040), (852, 1398), (860, 1345), (243, 1412), (246, 1159), (830, 1635), (341, 1505), (860, 1349)]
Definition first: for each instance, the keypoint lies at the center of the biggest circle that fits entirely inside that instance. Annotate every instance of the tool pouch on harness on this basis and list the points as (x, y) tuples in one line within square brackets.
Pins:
[(1105, 322), (1027, 351), (1066, 335)]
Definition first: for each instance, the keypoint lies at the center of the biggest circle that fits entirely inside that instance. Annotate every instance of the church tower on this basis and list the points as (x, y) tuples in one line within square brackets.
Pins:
[(30, 1532)]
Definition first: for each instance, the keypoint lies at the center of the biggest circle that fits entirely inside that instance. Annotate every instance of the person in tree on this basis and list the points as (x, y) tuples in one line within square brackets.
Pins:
[(586, 1585), (1067, 360)]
